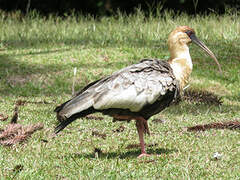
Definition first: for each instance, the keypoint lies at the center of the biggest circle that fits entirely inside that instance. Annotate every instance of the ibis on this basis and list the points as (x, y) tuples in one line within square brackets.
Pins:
[(138, 91)]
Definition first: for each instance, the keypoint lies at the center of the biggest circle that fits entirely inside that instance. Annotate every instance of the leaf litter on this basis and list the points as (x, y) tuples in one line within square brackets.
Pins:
[(14, 132), (232, 125), (201, 97)]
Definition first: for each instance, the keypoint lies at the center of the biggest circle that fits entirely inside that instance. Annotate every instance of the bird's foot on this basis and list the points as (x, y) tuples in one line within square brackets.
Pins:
[(144, 155)]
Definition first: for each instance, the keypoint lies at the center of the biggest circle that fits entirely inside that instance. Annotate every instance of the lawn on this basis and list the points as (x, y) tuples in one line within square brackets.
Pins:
[(37, 60)]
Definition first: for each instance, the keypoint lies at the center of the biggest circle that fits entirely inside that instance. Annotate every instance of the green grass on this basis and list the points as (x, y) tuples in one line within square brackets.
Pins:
[(37, 58)]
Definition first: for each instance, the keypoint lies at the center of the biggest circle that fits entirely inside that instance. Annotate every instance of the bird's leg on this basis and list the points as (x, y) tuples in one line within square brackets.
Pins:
[(146, 129), (144, 124), (141, 125)]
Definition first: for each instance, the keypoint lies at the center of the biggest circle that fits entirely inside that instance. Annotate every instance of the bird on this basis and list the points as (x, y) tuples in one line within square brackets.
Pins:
[(139, 91)]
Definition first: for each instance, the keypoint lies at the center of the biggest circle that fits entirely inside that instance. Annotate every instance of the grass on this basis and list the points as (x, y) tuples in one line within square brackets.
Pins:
[(37, 58)]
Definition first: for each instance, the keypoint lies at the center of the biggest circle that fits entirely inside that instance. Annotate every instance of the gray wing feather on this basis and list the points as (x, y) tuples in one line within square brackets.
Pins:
[(134, 87), (130, 88)]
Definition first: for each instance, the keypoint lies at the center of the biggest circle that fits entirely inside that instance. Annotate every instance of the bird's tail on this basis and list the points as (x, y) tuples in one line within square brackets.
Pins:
[(65, 122), (77, 107)]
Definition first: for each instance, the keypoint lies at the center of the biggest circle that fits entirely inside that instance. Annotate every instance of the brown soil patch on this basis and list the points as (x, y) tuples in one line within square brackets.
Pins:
[(94, 117), (120, 129), (158, 120), (96, 133), (3, 117), (23, 102), (133, 146)]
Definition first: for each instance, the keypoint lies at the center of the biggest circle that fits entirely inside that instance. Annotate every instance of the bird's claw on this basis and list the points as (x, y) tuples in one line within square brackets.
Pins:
[(144, 155)]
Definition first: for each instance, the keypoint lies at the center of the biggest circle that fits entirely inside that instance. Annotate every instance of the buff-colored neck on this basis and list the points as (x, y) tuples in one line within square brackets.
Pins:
[(181, 63)]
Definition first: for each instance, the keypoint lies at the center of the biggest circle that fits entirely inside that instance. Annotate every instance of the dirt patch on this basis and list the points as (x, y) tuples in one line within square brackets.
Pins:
[(17, 80), (148, 161), (23, 102), (98, 134), (20, 102), (218, 125), (44, 140), (158, 120), (18, 168), (97, 152), (120, 129), (94, 117), (3, 117), (133, 146), (21, 80), (201, 97)]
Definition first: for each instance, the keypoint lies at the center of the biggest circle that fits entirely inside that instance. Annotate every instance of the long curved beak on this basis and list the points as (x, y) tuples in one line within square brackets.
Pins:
[(205, 48)]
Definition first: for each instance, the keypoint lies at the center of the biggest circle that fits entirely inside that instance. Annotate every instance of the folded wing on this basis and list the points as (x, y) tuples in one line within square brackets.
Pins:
[(131, 88)]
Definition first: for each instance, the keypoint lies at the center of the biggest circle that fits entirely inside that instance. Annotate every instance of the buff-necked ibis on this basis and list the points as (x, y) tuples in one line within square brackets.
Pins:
[(139, 91)]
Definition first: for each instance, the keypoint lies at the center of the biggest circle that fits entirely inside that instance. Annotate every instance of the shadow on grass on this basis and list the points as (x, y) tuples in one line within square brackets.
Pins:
[(10, 66), (198, 109), (129, 154), (87, 41), (9, 63), (23, 74), (26, 74)]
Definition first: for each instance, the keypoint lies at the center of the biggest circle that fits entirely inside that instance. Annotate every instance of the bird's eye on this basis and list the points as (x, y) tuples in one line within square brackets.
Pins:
[(189, 33)]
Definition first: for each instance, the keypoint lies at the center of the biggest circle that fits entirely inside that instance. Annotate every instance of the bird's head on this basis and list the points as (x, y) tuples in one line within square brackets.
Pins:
[(179, 39)]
